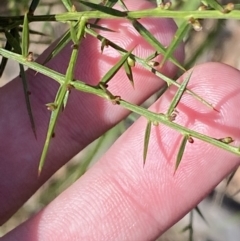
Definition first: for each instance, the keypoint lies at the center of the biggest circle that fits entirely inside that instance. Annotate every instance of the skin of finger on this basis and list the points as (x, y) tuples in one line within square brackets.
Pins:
[(119, 199), (85, 118)]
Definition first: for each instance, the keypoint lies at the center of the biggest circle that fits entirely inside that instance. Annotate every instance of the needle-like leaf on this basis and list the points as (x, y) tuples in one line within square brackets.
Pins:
[(229, 179), (73, 32), (12, 43), (178, 95), (4, 60), (121, 2), (33, 6), (152, 56), (27, 99), (105, 9), (197, 209), (25, 36), (68, 5), (181, 151), (110, 3), (186, 228), (146, 141), (214, 4), (180, 34), (128, 71), (14, 40), (96, 26), (108, 76), (154, 42), (35, 32), (66, 99), (59, 46)]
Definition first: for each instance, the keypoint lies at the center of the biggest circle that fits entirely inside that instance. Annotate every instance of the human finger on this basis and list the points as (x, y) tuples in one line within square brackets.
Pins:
[(120, 199)]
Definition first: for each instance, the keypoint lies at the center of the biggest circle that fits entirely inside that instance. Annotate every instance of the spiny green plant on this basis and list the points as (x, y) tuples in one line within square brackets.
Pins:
[(17, 33)]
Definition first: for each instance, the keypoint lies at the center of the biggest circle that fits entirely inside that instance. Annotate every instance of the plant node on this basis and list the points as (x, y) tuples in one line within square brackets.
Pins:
[(116, 100), (190, 140), (51, 106), (73, 9), (195, 24), (226, 140), (202, 8), (74, 46), (228, 8), (69, 87), (104, 43), (30, 57), (166, 5), (153, 63), (131, 62)]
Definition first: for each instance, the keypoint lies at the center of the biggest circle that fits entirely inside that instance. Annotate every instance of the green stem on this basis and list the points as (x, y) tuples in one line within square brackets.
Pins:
[(153, 13), (159, 117)]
